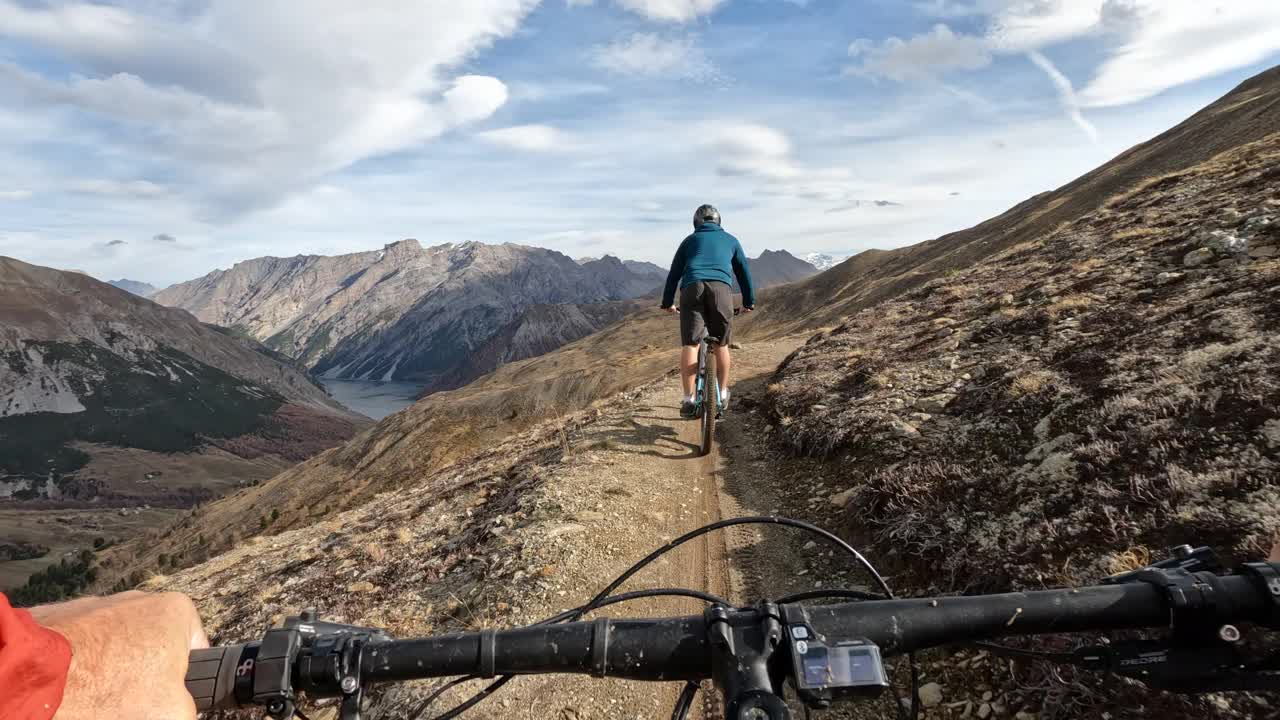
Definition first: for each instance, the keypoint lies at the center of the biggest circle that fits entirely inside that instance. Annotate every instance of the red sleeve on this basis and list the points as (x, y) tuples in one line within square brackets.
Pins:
[(33, 666)]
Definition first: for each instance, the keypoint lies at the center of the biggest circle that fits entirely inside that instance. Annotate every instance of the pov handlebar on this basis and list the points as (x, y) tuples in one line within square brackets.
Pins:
[(302, 657)]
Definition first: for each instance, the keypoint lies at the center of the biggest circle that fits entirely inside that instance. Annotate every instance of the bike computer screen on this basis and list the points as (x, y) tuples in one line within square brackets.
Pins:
[(841, 666), (850, 667)]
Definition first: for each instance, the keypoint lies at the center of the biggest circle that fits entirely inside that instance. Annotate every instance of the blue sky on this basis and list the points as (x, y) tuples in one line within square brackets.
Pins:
[(159, 139)]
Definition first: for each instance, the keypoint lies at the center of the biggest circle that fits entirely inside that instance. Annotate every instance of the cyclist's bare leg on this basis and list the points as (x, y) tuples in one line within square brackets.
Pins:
[(688, 368), (723, 363)]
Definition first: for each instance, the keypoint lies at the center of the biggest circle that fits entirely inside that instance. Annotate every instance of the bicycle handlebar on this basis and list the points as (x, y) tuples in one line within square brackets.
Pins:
[(680, 648)]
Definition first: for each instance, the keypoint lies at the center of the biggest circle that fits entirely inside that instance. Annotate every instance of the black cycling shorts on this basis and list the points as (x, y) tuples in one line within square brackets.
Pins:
[(706, 310)]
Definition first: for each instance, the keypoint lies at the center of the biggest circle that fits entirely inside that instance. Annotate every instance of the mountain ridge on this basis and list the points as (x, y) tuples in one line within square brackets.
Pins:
[(401, 313), (135, 286)]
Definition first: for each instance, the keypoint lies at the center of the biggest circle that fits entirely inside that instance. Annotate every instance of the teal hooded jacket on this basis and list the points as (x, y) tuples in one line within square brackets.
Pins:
[(709, 253)]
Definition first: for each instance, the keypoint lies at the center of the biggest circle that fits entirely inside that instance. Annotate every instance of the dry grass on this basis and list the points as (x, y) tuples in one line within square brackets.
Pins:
[(1087, 265), (1032, 383), (1134, 233), (1069, 304), (1129, 560)]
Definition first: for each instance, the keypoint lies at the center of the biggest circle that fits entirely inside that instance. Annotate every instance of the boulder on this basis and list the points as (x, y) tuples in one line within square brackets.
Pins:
[(1223, 241), (1197, 257)]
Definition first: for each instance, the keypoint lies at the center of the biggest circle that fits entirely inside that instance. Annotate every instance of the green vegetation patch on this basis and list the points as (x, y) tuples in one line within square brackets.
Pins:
[(166, 401), (56, 582)]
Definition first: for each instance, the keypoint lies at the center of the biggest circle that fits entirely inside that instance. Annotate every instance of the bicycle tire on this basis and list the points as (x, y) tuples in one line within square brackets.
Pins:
[(710, 401)]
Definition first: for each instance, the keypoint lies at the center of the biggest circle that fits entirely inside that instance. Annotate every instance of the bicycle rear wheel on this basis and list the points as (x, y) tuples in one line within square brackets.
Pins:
[(710, 400)]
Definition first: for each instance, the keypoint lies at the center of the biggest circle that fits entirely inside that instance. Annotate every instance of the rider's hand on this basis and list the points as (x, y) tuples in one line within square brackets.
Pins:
[(672, 310), (128, 655)]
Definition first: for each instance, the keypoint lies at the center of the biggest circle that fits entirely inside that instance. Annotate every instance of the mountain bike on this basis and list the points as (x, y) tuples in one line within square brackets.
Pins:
[(825, 653), (707, 407), (707, 391)]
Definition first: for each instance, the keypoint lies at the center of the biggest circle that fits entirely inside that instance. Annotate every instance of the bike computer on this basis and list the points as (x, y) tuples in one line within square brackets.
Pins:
[(825, 670)]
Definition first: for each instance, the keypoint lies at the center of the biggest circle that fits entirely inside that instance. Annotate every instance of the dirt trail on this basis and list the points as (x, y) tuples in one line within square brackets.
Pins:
[(635, 482)]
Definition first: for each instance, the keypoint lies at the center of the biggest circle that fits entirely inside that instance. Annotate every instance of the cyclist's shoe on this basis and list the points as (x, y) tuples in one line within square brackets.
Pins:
[(688, 410), (724, 402)]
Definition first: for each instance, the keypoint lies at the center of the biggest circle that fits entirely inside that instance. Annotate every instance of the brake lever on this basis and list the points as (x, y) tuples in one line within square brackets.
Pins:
[(1180, 670), (1185, 557)]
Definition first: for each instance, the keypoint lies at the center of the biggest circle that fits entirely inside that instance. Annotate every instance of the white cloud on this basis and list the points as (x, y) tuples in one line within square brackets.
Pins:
[(1066, 93), (118, 188), (555, 90), (764, 155), (647, 54), (752, 150), (530, 138), (672, 10), (15, 194), (946, 8), (1172, 42), (473, 98), (1022, 25), (1152, 45), (923, 57), (252, 101), (668, 10)]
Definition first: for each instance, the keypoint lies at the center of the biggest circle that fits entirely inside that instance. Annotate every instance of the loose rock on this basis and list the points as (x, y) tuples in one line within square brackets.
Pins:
[(1198, 257), (930, 695)]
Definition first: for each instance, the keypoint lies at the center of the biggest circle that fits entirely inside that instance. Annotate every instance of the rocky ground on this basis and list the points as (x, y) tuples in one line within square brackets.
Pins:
[(1070, 408)]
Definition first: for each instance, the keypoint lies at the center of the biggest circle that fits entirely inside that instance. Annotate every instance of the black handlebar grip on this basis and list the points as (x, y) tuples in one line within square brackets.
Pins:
[(211, 677)]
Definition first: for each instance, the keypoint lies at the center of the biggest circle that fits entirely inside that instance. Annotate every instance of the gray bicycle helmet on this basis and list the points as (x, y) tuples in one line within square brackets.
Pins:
[(706, 214)]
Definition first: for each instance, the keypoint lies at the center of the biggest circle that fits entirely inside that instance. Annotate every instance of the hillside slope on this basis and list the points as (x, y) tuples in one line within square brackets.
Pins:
[(1087, 397), (110, 400), (401, 313)]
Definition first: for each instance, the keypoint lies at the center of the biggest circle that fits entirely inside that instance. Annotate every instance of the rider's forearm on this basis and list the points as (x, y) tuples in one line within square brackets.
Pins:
[(34, 662), (122, 648)]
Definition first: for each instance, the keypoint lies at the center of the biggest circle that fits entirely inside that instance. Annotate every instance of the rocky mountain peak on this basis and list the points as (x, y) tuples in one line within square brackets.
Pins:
[(406, 245)]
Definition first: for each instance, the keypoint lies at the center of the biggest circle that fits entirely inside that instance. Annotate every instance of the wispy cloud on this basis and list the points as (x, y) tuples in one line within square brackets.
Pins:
[(923, 57), (663, 10), (1066, 93), (15, 194), (118, 188), (1173, 42), (529, 138), (646, 54)]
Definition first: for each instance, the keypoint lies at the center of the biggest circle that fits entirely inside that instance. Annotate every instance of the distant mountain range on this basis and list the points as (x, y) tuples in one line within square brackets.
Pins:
[(823, 261), (140, 289), (410, 313)]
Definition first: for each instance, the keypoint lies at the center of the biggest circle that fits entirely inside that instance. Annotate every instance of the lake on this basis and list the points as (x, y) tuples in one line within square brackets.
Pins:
[(375, 399)]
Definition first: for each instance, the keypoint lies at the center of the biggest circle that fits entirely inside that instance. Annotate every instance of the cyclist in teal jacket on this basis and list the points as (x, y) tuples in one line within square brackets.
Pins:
[(703, 270)]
